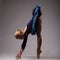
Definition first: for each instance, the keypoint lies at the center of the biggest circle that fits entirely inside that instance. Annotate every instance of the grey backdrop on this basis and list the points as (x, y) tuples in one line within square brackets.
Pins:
[(16, 13)]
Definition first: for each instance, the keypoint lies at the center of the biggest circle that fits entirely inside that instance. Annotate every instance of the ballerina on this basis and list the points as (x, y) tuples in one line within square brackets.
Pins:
[(33, 27)]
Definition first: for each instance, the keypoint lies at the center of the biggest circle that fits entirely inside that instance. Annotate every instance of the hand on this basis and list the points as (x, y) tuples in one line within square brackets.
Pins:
[(18, 56)]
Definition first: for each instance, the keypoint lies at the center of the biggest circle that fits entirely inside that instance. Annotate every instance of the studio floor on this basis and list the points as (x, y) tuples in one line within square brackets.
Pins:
[(27, 58)]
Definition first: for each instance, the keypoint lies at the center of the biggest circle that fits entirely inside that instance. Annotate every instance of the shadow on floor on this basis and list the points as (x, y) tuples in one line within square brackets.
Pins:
[(34, 57)]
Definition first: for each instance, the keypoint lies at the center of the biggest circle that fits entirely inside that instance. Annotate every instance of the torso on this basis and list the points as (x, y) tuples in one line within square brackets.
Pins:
[(38, 25)]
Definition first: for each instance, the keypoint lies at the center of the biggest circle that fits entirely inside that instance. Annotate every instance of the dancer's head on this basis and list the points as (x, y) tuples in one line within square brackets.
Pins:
[(19, 34), (37, 10)]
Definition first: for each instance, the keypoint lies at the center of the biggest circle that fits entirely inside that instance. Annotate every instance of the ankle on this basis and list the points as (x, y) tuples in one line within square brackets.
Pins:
[(38, 54)]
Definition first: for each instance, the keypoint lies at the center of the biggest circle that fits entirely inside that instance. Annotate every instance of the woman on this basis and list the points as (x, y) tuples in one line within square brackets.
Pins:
[(33, 27)]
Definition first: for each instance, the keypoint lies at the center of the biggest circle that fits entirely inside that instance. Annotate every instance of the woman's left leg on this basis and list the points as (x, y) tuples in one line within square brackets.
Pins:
[(39, 43)]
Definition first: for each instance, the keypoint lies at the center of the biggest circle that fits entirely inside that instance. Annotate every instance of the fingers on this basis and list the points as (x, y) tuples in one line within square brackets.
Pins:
[(18, 56)]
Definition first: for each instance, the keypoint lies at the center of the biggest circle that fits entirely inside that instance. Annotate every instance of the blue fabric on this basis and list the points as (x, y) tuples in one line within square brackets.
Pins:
[(37, 8), (29, 25), (33, 25), (35, 18), (31, 28)]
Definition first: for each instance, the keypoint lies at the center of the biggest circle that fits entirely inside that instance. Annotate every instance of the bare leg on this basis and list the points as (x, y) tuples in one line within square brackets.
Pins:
[(39, 38), (39, 42)]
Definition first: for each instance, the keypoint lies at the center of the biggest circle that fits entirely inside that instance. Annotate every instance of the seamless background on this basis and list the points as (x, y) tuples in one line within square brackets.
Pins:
[(16, 13)]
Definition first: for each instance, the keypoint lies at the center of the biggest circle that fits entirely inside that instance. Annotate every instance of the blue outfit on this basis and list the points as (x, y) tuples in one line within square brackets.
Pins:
[(31, 26)]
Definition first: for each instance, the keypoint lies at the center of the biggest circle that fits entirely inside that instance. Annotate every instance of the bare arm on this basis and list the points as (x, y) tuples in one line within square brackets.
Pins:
[(24, 29)]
